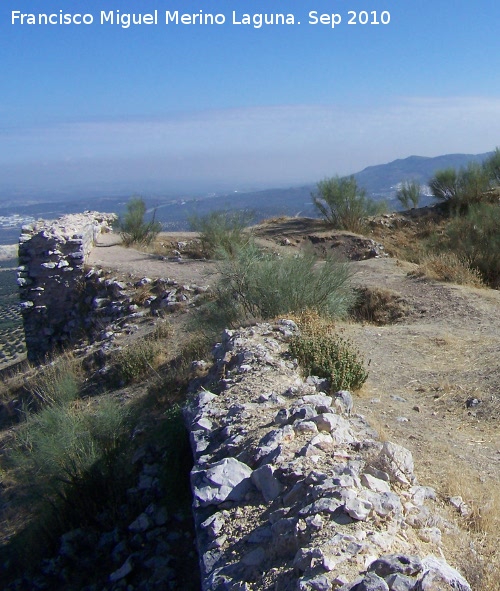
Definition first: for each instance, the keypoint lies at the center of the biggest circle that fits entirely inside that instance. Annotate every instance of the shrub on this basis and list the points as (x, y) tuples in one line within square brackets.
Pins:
[(462, 188), (133, 228), (408, 194), (342, 203), (134, 361), (492, 167), (222, 233), (58, 382), (476, 238), (260, 285), (58, 445), (378, 306), (330, 356)]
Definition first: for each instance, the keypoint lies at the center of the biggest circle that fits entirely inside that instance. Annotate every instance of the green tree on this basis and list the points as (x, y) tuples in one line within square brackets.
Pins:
[(409, 194), (342, 203), (132, 226)]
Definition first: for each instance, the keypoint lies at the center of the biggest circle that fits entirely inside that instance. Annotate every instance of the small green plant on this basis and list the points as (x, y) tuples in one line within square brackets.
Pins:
[(332, 357), (222, 233), (132, 226), (408, 194), (343, 204)]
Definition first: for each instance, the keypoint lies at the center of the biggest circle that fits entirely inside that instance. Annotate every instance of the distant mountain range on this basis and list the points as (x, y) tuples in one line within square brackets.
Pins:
[(379, 181)]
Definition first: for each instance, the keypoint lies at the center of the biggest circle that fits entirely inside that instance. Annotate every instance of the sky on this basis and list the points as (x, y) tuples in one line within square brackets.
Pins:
[(200, 107)]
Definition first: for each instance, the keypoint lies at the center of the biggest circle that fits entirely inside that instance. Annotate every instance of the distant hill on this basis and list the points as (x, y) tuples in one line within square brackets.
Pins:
[(174, 211), (379, 182), (381, 179)]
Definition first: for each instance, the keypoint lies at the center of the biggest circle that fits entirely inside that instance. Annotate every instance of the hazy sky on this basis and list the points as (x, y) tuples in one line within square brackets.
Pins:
[(215, 106)]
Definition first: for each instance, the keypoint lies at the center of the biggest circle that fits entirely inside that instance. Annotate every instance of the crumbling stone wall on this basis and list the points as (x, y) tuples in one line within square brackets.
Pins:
[(293, 492), (51, 274)]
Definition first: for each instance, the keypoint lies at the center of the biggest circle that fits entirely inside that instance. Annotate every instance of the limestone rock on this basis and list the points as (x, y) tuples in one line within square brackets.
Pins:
[(397, 462), (265, 481), (228, 479)]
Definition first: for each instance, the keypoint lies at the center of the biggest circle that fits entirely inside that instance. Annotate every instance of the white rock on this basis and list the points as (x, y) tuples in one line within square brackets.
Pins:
[(397, 461), (265, 481), (358, 509), (228, 479), (305, 427), (374, 484)]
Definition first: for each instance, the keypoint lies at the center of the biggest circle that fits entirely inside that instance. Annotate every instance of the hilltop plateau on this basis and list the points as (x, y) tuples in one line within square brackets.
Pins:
[(431, 350)]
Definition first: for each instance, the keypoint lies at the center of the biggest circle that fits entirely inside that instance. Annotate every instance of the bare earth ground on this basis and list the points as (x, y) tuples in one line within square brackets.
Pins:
[(423, 368), (109, 254)]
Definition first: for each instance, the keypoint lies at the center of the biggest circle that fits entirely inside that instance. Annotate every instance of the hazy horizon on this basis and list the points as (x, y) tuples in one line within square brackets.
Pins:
[(203, 108)]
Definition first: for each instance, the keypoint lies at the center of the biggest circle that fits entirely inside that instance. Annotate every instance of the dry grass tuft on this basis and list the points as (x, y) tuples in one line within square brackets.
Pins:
[(478, 546), (312, 322), (448, 266), (378, 306)]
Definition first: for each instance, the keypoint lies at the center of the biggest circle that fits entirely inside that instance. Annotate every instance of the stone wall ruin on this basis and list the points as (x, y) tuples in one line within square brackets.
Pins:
[(291, 494), (52, 256)]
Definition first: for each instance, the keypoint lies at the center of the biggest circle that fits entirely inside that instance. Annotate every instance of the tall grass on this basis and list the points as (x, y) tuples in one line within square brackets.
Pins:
[(450, 267), (478, 546)]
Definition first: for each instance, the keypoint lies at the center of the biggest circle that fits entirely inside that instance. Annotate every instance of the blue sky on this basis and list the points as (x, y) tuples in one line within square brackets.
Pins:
[(199, 107)]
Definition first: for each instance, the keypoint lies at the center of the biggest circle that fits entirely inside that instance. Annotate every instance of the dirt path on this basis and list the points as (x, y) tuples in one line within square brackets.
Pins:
[(424, 369), (110, 254)]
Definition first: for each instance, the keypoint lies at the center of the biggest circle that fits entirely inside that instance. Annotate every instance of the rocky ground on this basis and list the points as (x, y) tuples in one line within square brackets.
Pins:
[(434, 382)]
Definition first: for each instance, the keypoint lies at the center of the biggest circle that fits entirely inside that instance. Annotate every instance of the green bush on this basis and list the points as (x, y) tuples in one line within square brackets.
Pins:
[(461, 189), (332, 357), (132, 226), (343, 204), (222, 233), (409, 194), (476, 238), (492, 166), (58, 382), (59, 444), (258, 285)]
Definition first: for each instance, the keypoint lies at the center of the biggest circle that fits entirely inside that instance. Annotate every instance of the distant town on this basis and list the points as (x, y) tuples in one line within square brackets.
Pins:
[(15, 220)]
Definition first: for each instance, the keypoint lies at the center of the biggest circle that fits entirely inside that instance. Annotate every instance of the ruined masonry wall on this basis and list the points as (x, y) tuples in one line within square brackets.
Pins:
[(52, 256), (293, 493)]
